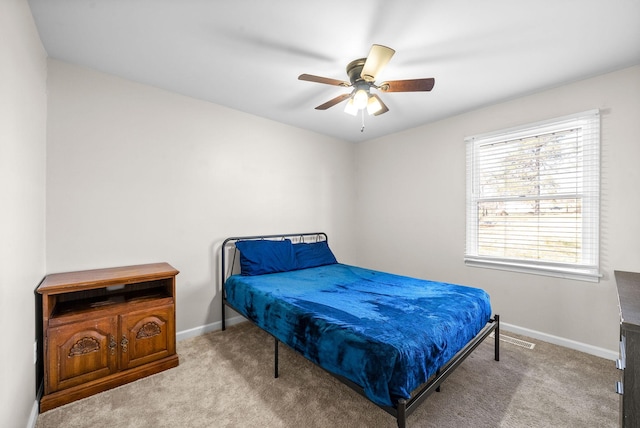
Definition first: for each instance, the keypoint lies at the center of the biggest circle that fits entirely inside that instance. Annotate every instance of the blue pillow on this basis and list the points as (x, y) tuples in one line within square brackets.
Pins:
[(314, 254), (262, 256)]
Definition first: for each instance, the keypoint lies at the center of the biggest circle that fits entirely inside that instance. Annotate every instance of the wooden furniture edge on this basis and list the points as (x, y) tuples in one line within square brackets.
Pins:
[(63, 282), (87, 390)]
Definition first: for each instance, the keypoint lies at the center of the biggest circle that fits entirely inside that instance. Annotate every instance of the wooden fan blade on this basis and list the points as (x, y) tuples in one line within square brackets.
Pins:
[(378, 57), (384, 108), (333, 102), (325, 80), (412, 85)]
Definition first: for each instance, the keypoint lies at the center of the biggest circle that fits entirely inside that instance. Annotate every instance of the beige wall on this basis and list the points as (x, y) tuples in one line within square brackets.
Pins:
[(411, 210), (22, 197), (136, 174)]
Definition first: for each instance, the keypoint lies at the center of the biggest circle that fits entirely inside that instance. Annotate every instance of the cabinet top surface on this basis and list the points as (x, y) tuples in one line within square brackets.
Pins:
[(97, 278), (628, 284)]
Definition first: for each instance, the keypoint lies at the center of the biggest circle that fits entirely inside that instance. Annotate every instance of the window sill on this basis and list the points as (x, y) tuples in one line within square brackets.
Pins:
[(575, 273)]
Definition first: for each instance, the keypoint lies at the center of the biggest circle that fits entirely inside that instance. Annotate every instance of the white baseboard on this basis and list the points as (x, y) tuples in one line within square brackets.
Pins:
[(33, 417), (203, 329), (561, 341)]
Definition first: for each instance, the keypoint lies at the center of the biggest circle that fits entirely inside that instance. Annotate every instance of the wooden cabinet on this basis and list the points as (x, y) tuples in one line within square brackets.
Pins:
[(628, 284), (106, 327)]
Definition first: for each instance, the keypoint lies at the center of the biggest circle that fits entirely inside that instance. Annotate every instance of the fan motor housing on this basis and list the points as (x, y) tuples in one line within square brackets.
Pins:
[(354, 69)]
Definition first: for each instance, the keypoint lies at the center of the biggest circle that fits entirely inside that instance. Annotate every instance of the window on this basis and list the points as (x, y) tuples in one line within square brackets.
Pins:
[(533, 198)]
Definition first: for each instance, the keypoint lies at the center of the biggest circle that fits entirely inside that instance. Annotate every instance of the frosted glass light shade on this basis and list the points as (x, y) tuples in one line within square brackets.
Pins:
[(351, 108), (360, 99), (373, 105)]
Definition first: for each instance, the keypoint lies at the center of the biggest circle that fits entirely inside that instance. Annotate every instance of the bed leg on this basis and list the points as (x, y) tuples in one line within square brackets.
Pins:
[(224, 307), (402, 413), (275, 359), (497, 337)]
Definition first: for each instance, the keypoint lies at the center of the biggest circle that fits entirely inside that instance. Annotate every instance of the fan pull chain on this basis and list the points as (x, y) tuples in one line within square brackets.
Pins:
[(362, 129)]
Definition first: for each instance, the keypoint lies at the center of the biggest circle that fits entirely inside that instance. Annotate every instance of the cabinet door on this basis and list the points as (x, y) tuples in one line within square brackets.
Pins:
[(81, 352), (147, 335)]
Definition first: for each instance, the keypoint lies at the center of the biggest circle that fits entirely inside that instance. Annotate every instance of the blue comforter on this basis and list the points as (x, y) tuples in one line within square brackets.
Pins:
[(387, 333)]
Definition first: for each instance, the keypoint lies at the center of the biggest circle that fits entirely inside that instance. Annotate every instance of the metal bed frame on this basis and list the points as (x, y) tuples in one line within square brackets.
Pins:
[(403, 407)]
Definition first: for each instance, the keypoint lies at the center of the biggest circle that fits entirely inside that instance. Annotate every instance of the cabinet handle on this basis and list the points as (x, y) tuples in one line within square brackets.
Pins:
[(112, 344), (123, 343)]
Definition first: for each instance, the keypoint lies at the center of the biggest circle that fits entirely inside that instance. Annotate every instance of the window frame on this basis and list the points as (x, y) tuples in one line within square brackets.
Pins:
[(588, 269)]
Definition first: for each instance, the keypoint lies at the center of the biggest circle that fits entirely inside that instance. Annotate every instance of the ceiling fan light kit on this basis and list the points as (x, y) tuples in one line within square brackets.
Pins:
[(374, 106), (360, 98), (350, 108), (362, 74)]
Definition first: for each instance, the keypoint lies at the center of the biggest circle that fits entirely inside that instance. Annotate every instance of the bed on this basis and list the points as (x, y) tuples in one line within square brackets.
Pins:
[(394, 339)]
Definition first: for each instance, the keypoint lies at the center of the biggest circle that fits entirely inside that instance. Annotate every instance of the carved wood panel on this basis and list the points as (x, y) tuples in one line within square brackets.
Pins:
[(81, 352), (149, 335)]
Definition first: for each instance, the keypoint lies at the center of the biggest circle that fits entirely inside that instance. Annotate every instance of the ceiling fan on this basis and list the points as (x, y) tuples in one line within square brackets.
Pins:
[(362, 75)]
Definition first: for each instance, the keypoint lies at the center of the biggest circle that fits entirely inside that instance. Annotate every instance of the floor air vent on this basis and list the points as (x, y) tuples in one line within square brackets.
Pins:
[(514, 341)]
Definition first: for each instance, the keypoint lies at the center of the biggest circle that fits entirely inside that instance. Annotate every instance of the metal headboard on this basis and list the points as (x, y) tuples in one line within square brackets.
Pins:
[(228, 245)]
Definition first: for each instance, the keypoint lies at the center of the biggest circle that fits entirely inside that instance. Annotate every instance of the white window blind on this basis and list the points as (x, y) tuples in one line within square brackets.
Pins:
[(533, 198)]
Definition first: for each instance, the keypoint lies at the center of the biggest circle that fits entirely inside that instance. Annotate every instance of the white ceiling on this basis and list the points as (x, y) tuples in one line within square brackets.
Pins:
[(247, 54)]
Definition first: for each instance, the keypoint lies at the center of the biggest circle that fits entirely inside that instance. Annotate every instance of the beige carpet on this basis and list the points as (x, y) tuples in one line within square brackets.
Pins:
[(225, 379)]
